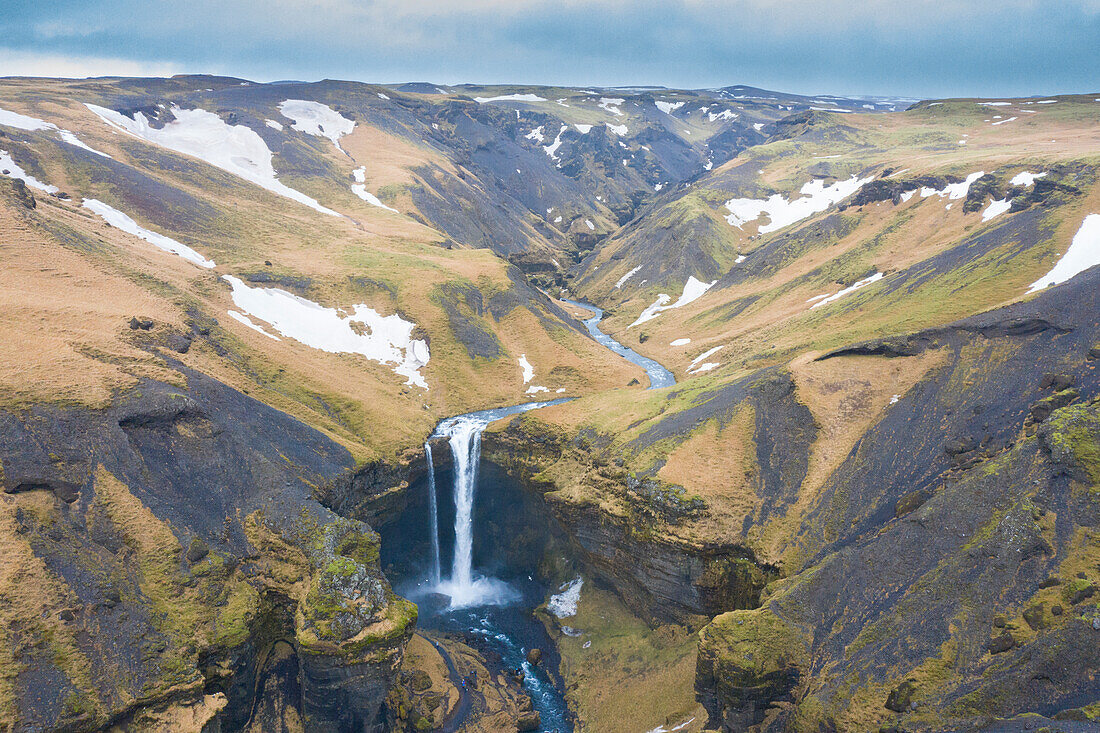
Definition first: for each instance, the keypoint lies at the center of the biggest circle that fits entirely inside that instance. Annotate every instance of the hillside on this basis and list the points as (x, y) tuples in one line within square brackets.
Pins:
[(235, 312)]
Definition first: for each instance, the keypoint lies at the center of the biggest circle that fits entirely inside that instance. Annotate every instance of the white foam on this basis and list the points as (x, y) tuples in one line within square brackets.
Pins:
[(816, 197), (14, 171), (627, 276), (1083, 253), (117, 219), (850, 289), (564, 603), (385, 339), (996, 208), (314, 118), (693, 290), (233, 148), (360, 190), (510, 98)]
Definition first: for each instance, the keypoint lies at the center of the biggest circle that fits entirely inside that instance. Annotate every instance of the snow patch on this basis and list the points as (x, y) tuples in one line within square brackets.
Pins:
[(817, 197), (953, 191), (552, 148), (611, 104), (1001, 122), (274, 125), (693, 290), (723, 115), (117, 219), (564, 603), (669, 107), (850, 289), (1083, 253), (11, 169), (510, 98), (627, 276), (1025, 178), (384, 339), (233, 148), (242, 318), (619, 130), (996, 208), (528, 370), (584, 129), (360, 190), (536, 135), (320, 120), (680, 342), (33, 124)]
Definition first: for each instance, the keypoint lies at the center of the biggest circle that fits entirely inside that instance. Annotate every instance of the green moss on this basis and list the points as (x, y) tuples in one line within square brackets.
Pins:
[(1073, 433)]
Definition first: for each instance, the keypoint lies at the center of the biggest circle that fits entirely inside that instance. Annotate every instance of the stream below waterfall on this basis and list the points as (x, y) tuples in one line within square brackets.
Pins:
[(483, 596)]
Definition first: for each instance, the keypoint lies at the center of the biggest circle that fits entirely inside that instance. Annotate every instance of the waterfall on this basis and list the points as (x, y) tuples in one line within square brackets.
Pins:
[(465, 440), (434, 511), (463, 434)]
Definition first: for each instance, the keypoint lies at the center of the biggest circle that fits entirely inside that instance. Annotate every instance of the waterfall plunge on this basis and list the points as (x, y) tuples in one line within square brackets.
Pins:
[(433, 507), (463, 434)]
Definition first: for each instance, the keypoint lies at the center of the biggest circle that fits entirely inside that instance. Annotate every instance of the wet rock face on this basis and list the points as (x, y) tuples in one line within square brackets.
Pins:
[(192, 569)]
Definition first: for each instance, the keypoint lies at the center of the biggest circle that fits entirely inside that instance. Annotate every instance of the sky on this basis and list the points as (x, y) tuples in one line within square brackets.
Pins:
[(918, 48)]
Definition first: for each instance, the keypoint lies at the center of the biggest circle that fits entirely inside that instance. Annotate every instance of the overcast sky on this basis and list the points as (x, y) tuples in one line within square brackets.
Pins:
[(928, 48)]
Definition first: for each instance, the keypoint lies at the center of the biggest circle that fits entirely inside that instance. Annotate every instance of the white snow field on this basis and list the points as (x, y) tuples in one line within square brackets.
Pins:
[(552, 148), (850, 289), (314, 118), (816, 197), (359, 189), (235, 149), (117, 219), (15, 171), (385, 339), (1083, 253), (669, 107), (511, 98), (680, 342), (693, 290), (33, 124)]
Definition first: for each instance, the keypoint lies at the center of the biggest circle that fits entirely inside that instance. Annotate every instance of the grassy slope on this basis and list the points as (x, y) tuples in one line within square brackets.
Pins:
[(80, 348)]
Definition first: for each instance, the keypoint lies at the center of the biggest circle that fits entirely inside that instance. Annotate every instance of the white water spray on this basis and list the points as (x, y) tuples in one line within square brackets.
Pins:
[(433, 507), (463, 434)]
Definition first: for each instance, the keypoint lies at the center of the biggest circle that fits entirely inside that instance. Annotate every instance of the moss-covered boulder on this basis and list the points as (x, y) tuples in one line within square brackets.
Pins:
[(749, 662)]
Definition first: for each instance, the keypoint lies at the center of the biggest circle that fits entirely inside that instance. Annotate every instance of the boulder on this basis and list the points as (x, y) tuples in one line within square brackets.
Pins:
[(534, 656), (901, 697), (1001, 643)]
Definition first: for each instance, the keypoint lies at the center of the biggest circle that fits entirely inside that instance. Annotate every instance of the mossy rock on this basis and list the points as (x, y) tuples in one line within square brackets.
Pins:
[(748, 661), (1072, 435)]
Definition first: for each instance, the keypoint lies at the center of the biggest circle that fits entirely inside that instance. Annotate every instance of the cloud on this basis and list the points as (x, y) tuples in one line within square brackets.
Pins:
[(30, 63)]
